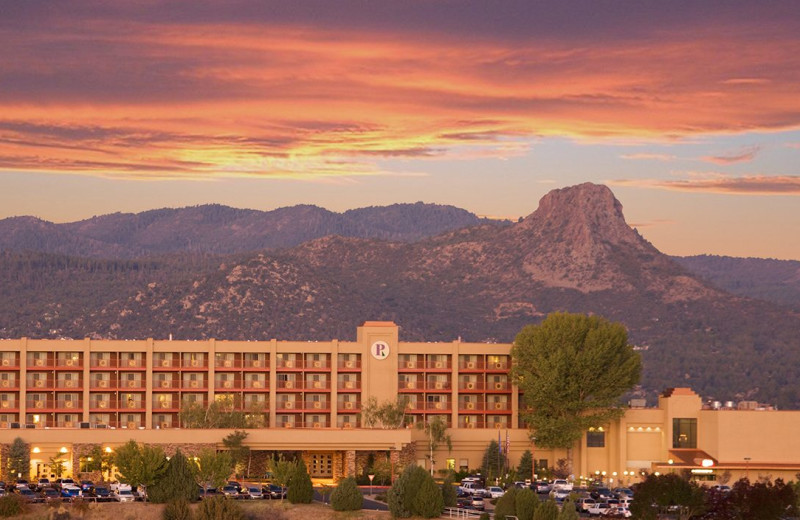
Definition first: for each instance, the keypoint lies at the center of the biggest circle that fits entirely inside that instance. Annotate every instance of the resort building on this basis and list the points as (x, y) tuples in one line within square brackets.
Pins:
[(69, 396)]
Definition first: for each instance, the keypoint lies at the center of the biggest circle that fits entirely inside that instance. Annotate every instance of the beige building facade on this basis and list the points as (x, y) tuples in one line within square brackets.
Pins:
[(67, 396)]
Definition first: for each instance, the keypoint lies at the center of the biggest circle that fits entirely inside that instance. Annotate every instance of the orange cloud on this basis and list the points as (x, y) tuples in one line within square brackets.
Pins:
[(743, 155), (119, 94), (649, 156)]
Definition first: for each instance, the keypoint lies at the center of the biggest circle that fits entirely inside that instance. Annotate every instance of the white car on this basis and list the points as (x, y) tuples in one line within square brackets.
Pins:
[(618, 512), (495, 491), (598, 509), (123, 495), (561, 483)]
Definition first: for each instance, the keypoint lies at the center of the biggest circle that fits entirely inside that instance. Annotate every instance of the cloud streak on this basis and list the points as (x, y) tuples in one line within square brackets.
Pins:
[(752, 185), (743, 155)]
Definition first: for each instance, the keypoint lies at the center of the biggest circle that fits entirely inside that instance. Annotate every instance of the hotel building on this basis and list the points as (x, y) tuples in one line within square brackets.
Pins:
[(69, 396)]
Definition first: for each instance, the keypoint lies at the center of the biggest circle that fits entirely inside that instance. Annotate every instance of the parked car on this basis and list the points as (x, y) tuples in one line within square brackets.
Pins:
[(22, 484), (495, 492), (123, 495), (583, 504), (61, 482), (273, 491), (116, 485), (472, 487), (235, 484), (561, 483), (477, 502), (70, 491), (598, 509), (622, 492), (542, 486), (100, 493), (618, 512), (42, 483), (721, 488), (600, 493), (252, 493), (49, 493), (28, 495), (230, 491), (86, 485), (559, 494)]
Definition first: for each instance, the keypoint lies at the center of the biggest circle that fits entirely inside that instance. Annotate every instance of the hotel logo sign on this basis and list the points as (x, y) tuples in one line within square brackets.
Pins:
[(380, 350)]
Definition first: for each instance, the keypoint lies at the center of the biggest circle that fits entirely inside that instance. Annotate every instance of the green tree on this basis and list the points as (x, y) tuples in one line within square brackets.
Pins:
[(667, 493), (301, 490), (347, 496), (506, 504), (57, 465), (401, 495), (527, 503), (387, 415), (492, 462), (239, 452), (176, 483), (449, 492), (525, 468), (224, 412), (282, 471), (140, 465), (436, 433), (568, 511), (573, 369), (18, 460), (547, 511), (212, 468), (428, 501)]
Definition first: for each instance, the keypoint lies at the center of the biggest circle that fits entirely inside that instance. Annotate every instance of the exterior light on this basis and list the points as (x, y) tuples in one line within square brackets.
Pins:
[(657, 473), (108, 449), (597, 472), (614, 473), (37, 450), (670, 462), (604, 473), (707, 463), (63, 450)]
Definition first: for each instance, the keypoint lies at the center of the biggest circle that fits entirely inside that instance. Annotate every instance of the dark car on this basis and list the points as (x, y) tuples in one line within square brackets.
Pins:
[(274, 491), (99, 493), (601, 493), (231, 492), (236, 485), (86, 485), (50, 494), (29, 495)]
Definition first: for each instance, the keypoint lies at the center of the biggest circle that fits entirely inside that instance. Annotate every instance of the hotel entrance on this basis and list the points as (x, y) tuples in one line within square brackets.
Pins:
[(321, 465)]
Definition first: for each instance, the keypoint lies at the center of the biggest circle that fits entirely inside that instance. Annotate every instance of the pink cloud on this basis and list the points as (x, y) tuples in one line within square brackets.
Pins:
[(753, 185), (743, 155)]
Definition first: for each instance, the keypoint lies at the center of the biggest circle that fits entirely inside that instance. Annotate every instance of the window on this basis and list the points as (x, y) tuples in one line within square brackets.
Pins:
[(684, 433), (595, 439)]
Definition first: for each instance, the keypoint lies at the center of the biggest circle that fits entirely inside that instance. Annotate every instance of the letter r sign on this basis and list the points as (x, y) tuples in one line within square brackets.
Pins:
[(380, 350)]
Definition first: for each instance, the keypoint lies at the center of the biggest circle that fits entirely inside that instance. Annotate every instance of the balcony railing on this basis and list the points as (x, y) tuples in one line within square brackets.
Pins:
[(480, 386), (470, 406), (482, 424), (194, 385), (349, 385), (101, 363), (135, 363), (348, 406), (69, 384), (304, 385), (69, 364), (194, 364), (349, 364), (303, 364), (53, 404)]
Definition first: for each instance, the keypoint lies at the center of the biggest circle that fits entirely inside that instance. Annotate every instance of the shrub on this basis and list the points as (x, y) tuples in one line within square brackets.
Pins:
[(177, 510), (507, 504), (568, 511), (80, 506), (449, 492), (12, 505), (484, 516), (428, 501), (547, 511), (177, 483), (301, 490), (347, 496), (405, 488), (218, 508), (526, 503)]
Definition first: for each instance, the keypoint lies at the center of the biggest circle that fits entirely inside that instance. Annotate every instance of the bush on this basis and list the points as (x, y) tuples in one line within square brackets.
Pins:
[(218, 508), (484, 516), (428, 501), (547, 511), (405, 488), (449, 492), (12, 505), (177, 510), (568, 511), (526, 503), (80, 506), (507, 504), (301, 490), (347, 496), (177, 483)]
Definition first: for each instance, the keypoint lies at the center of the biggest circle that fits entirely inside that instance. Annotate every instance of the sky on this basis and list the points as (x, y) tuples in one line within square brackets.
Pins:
[(689, 111)]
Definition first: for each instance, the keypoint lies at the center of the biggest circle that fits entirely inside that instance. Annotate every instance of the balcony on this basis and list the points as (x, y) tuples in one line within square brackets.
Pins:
[(256, 385), (320, 406), (410, 386), (9, 384), (304, 385), (497, 366), (194, 364), (480, 386), (102, 363), (349, 386), (69, 364), (437, 407), (40, 384), (171, 405), (8, 406), (102, 384), (134, 363), (194, 385), (348, 406), (481, 424), (131, 384), (166, 364), (433, 366), (39, 364), (227, 364), (438, 386), (9, 364), (101, 405), (69, 384), (349, 365), (256, 364)]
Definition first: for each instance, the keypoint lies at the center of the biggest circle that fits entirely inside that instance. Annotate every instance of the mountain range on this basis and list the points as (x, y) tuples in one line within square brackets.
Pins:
[(438, 271)]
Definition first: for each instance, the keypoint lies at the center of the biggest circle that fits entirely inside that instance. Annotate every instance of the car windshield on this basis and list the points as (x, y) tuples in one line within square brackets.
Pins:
[(125, 492)]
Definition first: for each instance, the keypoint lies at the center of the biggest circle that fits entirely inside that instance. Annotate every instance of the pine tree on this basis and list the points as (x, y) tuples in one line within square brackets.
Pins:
[(405, 488), (527, 503), (428, 501), (568, 511), (547, 511), (449, 492), (177, 482), (347, 496), (506, 504), (525, 468), (18, 460), (301, 490)]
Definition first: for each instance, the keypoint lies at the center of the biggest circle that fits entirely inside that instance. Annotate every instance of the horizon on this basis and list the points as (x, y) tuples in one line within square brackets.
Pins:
[(687, 111)]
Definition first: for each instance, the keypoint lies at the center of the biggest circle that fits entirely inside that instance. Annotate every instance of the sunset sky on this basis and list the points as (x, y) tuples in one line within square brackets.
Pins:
[(688, 110)]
